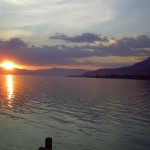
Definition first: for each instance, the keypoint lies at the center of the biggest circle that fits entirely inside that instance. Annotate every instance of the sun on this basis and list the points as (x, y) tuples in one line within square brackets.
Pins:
[(8, 65)]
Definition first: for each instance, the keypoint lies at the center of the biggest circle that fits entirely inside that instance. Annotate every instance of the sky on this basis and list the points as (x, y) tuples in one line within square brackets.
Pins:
[(74, 33)]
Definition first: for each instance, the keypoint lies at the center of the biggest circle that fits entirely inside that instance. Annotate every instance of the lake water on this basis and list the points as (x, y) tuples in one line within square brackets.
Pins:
[(78, 113)]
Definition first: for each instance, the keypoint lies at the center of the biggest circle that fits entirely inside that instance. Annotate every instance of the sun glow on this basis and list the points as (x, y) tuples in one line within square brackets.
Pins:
[(8, 65)]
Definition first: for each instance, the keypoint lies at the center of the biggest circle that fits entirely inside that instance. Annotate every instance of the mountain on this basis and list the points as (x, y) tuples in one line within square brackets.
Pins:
[(141, 69), (47, 72)]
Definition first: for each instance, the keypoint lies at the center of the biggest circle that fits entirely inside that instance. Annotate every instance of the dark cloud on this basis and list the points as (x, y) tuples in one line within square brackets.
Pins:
[(85, 37), (18, 50), (13, 43), (139, 41)]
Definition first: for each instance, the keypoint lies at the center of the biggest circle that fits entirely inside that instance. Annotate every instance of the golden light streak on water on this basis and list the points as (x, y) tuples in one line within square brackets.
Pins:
[(10, 90)]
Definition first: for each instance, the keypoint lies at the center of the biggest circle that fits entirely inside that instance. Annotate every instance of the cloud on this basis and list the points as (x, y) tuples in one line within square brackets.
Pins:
[(6, 34), (85, 37), (72, 17), (14, 43), (49, 16), (18, 50), (139, 41)]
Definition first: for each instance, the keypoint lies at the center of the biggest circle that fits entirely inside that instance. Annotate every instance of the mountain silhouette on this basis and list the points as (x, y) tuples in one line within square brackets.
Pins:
[(45, 72), (141, 69)]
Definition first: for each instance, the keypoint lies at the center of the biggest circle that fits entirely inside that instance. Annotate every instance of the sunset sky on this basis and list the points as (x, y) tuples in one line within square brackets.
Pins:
[(87, 34)]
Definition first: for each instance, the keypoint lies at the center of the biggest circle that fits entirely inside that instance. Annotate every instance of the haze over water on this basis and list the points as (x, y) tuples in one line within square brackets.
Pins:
[(78, 113)]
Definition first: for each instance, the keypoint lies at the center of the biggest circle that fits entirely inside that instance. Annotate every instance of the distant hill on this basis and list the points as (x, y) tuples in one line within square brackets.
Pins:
[(47, 72), (138, 70)]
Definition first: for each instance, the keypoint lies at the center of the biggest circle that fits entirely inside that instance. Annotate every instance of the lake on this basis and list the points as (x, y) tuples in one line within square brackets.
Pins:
[(78, 113)]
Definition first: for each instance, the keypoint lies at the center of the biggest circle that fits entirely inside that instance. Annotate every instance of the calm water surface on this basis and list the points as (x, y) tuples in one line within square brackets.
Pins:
[(78, 113)]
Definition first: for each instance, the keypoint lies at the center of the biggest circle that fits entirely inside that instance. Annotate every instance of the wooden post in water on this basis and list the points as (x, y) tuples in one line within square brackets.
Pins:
[(41, 148), (48, 144)]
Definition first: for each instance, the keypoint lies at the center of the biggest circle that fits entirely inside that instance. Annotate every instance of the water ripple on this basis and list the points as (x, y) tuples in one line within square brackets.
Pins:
[(81, 113)]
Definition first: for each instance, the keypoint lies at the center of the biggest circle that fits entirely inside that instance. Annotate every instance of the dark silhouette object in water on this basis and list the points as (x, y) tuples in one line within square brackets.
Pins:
[(48, 144)]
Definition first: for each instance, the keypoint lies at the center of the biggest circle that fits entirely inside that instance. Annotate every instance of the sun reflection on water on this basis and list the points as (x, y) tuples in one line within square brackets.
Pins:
[(10, 90)]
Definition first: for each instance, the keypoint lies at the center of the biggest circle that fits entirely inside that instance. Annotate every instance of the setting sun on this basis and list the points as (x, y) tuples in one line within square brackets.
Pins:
[(8, 65)]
